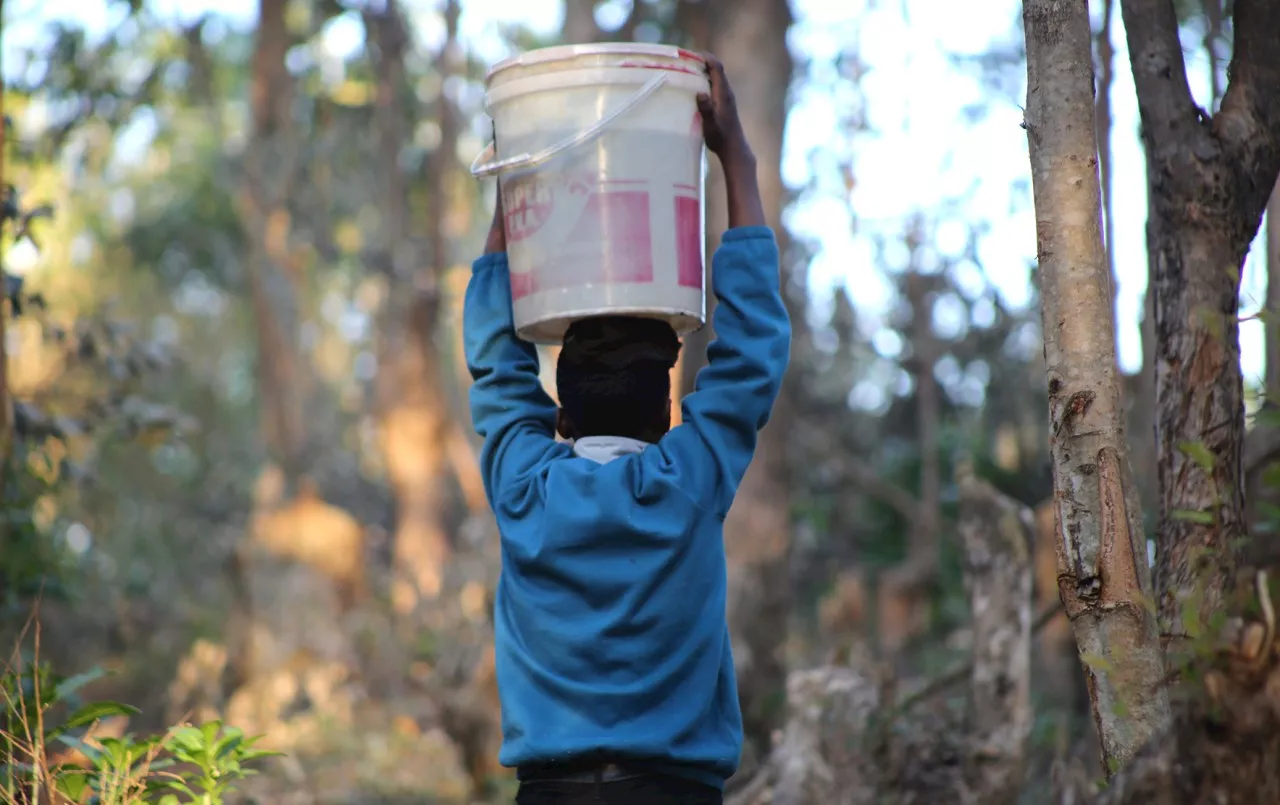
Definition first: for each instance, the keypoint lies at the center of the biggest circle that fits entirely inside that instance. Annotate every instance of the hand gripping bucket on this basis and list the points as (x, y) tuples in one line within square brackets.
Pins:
[(600, 157)]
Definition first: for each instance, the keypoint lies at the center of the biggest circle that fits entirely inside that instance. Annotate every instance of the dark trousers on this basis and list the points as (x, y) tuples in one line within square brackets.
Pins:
[(645, 789)]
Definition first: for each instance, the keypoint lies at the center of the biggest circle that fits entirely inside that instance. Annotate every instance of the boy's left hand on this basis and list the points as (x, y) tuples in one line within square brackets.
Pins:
[(496, 243), (497, 240)]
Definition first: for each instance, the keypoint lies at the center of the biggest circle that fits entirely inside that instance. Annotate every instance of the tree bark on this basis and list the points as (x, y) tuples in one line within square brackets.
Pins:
[(850, 739), (1102, 578), (997, 534), (1224, 745), (1209, 180)]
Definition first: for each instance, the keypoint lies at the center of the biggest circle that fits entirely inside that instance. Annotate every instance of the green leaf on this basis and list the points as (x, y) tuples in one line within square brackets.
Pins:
[(91, 752), (1192, 516), (72, 783), (1198, 453), (96, 711), (1191, 618), (228, 744), (209, 731), (72, 684)]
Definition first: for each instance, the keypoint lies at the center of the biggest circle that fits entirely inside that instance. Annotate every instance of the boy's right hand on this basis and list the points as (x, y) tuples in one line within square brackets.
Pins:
[(721, 128)]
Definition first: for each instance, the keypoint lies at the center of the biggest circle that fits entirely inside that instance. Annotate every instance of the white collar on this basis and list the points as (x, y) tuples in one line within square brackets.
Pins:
[(603, 449)]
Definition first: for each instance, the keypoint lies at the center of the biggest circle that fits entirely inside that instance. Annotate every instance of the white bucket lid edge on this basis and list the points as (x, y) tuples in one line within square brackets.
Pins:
[(566, 52)]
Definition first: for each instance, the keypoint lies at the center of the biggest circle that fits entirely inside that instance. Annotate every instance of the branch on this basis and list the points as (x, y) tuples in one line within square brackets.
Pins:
[(1250, 116), (961, 670), (1159, 75), (627, 31), (1261, 449), (580, 23), (875, 484)]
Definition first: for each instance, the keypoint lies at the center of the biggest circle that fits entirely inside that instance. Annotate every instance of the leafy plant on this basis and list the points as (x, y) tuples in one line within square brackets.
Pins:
[(47, 757)]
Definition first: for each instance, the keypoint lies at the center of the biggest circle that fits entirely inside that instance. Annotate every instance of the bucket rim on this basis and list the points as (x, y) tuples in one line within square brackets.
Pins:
[(565, 52), (516, 87)]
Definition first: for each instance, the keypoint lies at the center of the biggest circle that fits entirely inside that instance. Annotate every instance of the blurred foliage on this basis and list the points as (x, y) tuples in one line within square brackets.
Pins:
[(51, 752)]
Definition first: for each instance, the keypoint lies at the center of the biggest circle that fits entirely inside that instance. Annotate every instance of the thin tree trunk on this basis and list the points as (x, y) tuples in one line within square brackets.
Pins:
[(300, 566), (413, 408), (750, 38), (997, 534), (1106, 77), (923, 542), (269, 179), (904, 591), (1271, 317), (1102, 578), (6, 405), (1209, 181), (1212, 33), (579, 22)]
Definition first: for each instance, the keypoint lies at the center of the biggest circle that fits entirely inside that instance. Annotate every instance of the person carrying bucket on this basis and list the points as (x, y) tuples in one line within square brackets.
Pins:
[(614, 667)]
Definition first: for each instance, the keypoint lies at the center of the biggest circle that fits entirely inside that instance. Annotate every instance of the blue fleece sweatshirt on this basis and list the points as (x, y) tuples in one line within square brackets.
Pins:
[(609, 616)]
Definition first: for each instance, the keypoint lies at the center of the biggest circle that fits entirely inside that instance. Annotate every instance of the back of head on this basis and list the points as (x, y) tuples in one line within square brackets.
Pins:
[(613, 377)]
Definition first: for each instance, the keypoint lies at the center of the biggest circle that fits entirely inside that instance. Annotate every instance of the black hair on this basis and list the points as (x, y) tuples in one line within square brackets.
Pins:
[(613, 376)]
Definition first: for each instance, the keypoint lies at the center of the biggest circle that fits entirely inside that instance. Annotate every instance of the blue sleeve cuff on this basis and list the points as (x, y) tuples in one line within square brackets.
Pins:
[(747, 233), (495, 260)]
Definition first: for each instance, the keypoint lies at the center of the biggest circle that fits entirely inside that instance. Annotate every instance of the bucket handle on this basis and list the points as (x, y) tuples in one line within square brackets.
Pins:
[(482, 168)]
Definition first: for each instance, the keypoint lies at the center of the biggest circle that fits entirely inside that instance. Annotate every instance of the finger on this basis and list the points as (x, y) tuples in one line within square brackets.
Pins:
[(706, 108)]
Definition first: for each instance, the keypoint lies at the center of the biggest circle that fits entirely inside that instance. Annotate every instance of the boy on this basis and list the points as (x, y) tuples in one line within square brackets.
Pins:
[(613, 660)]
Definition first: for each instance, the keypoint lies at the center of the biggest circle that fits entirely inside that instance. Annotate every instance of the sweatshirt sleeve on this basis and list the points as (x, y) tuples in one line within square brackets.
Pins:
[(509, 408), (733, 396)]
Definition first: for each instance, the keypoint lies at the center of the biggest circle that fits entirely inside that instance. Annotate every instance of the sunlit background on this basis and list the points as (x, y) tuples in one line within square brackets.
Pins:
[(937, 138)]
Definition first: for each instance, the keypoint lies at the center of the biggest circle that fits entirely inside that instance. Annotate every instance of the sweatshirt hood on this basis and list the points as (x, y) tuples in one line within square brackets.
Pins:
[(603, 449)]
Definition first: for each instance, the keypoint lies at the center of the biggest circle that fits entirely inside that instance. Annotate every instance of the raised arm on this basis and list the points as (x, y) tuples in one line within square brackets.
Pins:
[(509, 408), (734, 394)]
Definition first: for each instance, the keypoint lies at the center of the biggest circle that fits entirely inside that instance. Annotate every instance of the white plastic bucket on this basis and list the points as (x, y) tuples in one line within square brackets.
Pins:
[(599, 153)]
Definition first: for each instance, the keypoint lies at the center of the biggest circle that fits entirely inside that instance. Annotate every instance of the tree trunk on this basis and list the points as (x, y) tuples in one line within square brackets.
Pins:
[(1106, 77), (751, 39), (412, 405), (1271, 317), (1102, 578), (906, 591), (1140, 388), (1209, 180), (6, 405), (579, 22), (997, 534), (1224, 745), (1212, 33), (270, 177), (300, 567)]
